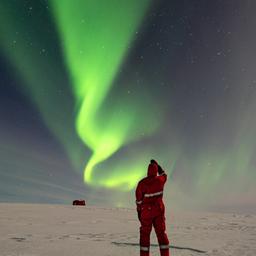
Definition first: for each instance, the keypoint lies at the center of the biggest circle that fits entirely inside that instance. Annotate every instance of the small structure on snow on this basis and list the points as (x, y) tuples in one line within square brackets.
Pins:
[(79, 202)]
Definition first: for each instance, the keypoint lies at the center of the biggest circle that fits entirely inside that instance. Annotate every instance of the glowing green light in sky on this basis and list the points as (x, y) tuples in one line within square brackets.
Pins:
[(96, 37), (95, 40)]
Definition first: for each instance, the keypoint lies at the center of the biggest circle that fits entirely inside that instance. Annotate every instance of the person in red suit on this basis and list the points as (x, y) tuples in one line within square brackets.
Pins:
[(151, 209)]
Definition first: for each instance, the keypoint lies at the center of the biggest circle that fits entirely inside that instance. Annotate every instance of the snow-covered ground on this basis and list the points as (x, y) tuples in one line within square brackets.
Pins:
[(52, 230)]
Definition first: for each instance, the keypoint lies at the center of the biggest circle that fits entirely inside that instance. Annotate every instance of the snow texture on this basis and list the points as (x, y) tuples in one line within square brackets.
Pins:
[(52, 230)]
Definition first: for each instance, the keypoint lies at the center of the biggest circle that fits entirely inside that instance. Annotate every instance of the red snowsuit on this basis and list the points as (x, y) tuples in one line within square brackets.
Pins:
[(150, 207)]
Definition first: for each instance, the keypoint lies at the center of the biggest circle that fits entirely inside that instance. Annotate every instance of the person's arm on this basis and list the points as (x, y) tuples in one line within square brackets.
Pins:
[(161, 172), (162, 175), (139, 198)]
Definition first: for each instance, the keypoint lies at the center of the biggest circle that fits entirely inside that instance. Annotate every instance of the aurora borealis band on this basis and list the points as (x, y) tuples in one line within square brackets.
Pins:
[(91, 90), (95, 44)]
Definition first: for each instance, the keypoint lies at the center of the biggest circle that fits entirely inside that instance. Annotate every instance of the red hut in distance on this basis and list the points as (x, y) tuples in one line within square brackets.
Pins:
[(79, 202)]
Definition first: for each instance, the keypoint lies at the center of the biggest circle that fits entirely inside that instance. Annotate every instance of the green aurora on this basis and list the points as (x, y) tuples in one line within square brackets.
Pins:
[(95, 44), (96, 40)]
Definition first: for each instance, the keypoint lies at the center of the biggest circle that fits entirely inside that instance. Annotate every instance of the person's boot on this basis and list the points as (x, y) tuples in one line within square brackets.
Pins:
[(144, 253)]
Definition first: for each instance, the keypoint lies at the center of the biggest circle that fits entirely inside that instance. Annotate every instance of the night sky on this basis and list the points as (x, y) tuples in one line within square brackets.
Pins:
[(92, 90)]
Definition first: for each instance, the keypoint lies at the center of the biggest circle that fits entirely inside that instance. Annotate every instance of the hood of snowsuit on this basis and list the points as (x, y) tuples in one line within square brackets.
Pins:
[(152, 170)]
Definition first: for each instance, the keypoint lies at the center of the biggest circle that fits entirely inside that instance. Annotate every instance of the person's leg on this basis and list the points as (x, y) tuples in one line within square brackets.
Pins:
[(159, 226), (145, 230)]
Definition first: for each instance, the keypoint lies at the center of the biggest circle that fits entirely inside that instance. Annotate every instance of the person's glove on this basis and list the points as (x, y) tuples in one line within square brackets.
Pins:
[(160, 170)]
